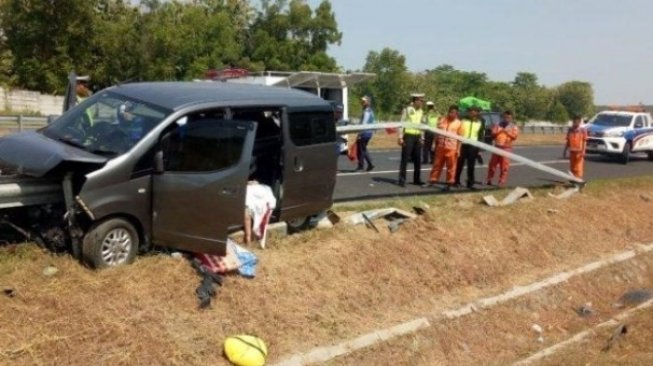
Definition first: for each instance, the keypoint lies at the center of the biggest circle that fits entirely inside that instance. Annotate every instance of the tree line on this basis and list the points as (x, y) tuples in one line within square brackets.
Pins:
[(118, 40), (115, 41), (445, 85)]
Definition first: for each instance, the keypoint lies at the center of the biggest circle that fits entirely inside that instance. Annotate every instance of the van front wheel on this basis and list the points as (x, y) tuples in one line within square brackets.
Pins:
[(110, 243)]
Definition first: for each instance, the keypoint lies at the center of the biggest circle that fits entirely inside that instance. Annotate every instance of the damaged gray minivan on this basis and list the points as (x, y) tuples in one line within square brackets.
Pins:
[(166, 164)]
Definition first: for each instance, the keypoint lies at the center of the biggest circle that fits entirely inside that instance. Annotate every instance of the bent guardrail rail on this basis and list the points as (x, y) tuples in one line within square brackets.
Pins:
[(480, 145), (20, 192)]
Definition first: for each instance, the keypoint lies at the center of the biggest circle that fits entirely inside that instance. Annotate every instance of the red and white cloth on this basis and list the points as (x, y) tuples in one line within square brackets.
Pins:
[(260, 202)]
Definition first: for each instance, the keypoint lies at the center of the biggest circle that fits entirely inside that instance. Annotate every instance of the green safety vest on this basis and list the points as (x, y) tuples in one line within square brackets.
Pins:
[(414, 116), (432, 119), (471, 129)]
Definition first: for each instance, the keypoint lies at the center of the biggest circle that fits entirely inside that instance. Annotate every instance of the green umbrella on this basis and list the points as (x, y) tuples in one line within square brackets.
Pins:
[(469, 102)]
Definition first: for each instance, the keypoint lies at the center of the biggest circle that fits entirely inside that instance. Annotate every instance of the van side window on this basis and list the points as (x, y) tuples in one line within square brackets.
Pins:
[(311, 128), (203, 145)]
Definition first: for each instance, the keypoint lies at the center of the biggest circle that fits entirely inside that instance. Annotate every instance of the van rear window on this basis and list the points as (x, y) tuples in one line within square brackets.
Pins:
[(312, 128)]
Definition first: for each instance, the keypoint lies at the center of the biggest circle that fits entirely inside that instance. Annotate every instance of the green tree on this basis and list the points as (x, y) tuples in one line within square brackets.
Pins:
[(390, 89), (577, 97), (558, 113), (532, 101), (288, 36), (47, 39)]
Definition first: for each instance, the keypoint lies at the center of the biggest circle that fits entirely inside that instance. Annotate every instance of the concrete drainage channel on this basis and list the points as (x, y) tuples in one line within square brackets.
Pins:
[(378, 337)]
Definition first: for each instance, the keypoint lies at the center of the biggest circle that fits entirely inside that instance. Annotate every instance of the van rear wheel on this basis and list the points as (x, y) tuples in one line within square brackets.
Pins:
[(650, 156), (298, 224), (110, 243)]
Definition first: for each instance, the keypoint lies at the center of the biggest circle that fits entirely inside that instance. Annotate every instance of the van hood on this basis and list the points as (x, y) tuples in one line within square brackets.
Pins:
[(33, 154)]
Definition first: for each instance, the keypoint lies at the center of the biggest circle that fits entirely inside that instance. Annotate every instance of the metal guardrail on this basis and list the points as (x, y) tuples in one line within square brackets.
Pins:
[(25, 123), (22, 123)]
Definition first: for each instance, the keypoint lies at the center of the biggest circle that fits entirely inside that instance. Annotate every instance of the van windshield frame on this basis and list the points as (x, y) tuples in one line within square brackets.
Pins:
[(107, 124)]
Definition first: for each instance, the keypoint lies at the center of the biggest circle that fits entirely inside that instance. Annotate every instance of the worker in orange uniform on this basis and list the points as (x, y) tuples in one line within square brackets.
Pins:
[(504, 134), (576, 144), (447, 149)]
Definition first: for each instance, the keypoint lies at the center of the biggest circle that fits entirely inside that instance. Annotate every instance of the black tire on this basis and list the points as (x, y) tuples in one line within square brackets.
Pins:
[(650, 156), (110, 243), (624, 158), (298, 224)]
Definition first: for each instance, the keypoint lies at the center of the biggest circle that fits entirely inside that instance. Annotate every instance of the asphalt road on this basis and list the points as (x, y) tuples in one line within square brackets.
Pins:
[(382, 181)]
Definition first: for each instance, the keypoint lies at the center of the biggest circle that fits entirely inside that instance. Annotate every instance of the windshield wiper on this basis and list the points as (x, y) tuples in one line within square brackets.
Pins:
[(71, 143), (104, 152)]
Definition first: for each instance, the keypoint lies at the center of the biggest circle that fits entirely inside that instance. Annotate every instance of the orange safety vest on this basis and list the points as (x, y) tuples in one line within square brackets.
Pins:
[(454, 127), (576, 138), (503, 137)]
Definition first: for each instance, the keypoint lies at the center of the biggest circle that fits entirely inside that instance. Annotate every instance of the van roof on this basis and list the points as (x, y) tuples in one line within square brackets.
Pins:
[(177, 95)]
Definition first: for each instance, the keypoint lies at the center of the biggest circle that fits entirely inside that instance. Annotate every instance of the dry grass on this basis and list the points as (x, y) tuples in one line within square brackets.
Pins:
[(311, 289), (503, 334), (384, 141)]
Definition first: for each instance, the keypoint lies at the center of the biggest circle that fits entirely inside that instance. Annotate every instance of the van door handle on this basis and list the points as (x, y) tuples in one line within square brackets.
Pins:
[(228, 191), (299, 164)]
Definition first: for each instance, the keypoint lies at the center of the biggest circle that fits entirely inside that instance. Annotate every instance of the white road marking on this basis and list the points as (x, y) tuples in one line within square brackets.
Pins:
[(484, 166)]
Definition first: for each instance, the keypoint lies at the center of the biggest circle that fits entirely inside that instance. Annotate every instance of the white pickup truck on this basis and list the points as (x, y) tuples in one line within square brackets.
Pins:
[(618, 134)]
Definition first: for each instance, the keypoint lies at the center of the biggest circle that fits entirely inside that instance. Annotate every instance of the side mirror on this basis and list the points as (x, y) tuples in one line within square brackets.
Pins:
[(158, 162)]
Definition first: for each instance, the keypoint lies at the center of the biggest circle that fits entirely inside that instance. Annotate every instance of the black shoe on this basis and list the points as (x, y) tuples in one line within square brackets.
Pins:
[(418, 183), (402, 183), (370, 168), (359, 169), (446, 188), (472, 188)]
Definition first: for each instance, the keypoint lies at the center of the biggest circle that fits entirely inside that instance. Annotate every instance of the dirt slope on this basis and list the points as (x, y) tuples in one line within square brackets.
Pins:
[(312, 289)]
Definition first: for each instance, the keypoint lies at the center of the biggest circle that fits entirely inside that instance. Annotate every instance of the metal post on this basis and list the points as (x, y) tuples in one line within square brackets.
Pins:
[(20, 122)]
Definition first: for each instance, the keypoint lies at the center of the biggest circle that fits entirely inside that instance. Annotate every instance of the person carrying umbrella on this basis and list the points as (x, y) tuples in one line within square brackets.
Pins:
[(473, 129)]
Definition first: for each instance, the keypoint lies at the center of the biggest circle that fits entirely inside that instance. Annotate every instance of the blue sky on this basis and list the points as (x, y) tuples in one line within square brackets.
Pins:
[(608, 43)]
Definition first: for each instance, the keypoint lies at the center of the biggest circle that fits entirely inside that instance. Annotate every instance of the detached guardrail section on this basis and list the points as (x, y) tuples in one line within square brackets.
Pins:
[(514, 157)]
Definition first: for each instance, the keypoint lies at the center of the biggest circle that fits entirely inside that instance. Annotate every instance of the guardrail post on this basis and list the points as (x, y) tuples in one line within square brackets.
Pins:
[(20, 122)]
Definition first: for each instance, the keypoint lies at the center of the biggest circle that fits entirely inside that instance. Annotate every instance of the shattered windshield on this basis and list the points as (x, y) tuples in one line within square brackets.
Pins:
[(612, 120), (107, 124)]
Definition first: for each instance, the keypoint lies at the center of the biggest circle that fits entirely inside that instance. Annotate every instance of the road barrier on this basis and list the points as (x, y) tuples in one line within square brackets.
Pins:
[(19, 123)]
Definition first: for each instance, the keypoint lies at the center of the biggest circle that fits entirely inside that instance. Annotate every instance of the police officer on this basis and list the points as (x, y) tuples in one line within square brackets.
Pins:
[(410, 140), (431, 119), (473, 129)]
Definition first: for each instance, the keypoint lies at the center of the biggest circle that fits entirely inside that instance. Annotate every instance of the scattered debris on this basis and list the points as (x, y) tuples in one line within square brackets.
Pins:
[(635, 297), (538, 329), (237, 258), (387, 213), (245, 350), (552, 211), (9, 292), (566, 194), (370, 223), (394, 225), (645, 198), (517, 194), (50, 271), (585, 310), (205, 291), (326, 220), (177, 255), (620, 331)]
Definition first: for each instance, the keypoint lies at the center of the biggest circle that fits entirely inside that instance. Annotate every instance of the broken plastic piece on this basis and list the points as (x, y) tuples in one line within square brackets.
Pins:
[(635, 297), (9, 292), (515, 195)]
